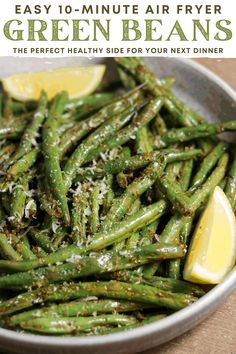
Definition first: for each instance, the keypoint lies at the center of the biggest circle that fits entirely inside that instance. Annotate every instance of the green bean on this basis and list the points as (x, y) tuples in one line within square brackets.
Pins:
[(174, 136), (6, 152), (175, 224), (46, 200), (160, 125), (132, 241), (69, 325), (121, 178), (130, 224), (21, 107), (142, 142), (7, 108), (186, 230), (174, 269), (223, 183), (100, 240), (93, 219), (94, 140), (208, 163), (179, 199), (76, 308), (121, 205), (134, 162), (13, 130), (59, 238), (41, 238), (172, 229), (22, 248), (206, 145), (187, 221), (31, 131), (18, 107), (134, 238), (18, 202), (92, 264), (183, 114), (185, 175), (22, 165), (172, 233), (6, 249), (91, 100), (202, 193), (173, 170), (25, 239), (143, 75), (80, 211), (166, 284), (73, 135), (109, 196), (51, 155), (174, 265), (172, 155), (54, 256), (134, 208), (87, 110), (112, 290), (127, 80), (230, 188), (127, 133), (150, 319), (188, 205), (148, 234), (38, 252)]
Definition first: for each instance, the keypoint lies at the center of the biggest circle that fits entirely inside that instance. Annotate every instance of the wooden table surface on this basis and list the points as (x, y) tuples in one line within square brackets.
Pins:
[(217, 334)]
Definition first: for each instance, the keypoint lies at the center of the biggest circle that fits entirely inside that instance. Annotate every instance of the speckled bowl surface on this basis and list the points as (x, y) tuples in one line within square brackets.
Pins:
[(211, 97)]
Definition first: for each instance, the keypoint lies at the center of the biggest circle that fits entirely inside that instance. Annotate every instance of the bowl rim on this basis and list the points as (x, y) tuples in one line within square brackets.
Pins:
[(214, 296)]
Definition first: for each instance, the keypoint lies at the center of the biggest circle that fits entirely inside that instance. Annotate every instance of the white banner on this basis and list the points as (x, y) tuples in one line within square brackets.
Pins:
[(173, 28)]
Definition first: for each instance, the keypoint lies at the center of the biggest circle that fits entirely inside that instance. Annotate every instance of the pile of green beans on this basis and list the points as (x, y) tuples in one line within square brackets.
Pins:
[(99, 199)]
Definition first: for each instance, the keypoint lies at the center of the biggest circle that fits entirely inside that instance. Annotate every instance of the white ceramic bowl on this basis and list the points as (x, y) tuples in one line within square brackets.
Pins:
[(210, 96)]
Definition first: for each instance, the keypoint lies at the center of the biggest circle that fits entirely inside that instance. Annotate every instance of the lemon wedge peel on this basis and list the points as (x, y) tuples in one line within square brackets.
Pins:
[(212, 252), (77, 81)]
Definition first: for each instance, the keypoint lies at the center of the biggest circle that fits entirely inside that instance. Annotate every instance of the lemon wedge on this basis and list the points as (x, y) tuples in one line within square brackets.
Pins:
[(77, 81), (212, 252)]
